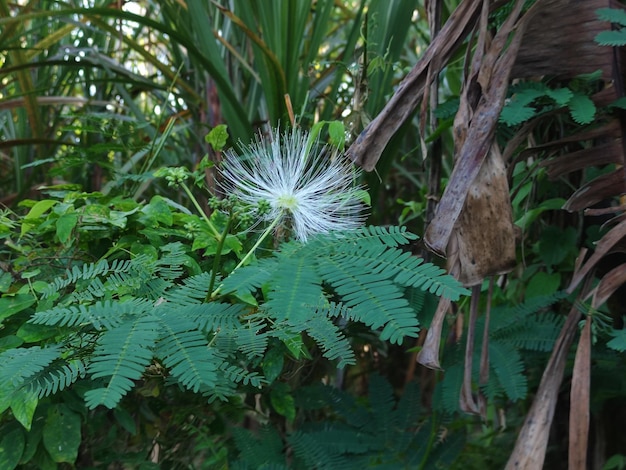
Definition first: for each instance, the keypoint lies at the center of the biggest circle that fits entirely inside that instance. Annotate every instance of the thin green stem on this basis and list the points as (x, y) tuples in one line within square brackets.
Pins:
[(263, 236), (194, 201), (218, 253)]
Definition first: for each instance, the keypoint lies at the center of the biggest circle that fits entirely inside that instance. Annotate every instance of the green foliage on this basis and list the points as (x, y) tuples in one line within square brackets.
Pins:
[(116, 319), (515, 334), (378, 432), (518, 109), (112, 292), (616, 37), (362, 267)]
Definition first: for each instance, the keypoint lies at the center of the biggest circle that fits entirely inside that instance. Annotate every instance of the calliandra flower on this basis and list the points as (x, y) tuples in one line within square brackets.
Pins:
[(307, 190)]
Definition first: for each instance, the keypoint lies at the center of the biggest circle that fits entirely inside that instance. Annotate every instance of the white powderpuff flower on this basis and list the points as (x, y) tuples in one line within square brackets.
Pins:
[(306, 189)]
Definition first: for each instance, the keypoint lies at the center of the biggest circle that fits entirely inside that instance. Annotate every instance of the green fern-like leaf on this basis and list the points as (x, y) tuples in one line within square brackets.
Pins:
[(582, 109), (406, 414), (170, 265), (94, 290), (411, 271), (614, 15), (101, 315), (618, 343), (91, 271), (386, 236), (249, 278), (258, 451), (536, 333), (331, 340), (122, 355), (446, 396), (405, 269), (525, 326), (374, 299), (213, 316), (296, 290), (88, 271), (192, 291), (124, 283), (313, 453), (615, 38), (237, 374), (56, 377), (186, 353), (251, 337), (507, 364), (517, 109), (560, 95), (20, 364), (382, 402)]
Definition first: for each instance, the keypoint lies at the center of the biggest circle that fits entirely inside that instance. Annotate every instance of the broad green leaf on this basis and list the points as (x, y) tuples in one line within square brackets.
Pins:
[(529, 217), (31, 333), (23, 406), (156, 213), (40, 208), (217, 137), (65, 225), (556, 244), (204, 240), (283, 401), (337, 134), (61, 433), (10, 305), (296, 346), (273, 364), (125, 419), (5, 282), (12, 445), (543, 284), (232, 243), (10, 342), (33, 439)]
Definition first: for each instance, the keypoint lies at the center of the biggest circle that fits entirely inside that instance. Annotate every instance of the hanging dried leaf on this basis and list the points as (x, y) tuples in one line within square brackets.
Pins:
[(466, 399), (484, 233), (602, 187), (579, 401), (606, 243), (369, 146), (610, 282), (429, 354), (530, 448), (477, 136)]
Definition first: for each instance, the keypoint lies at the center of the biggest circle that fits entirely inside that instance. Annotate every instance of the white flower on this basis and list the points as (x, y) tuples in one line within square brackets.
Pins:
[(305, 188)]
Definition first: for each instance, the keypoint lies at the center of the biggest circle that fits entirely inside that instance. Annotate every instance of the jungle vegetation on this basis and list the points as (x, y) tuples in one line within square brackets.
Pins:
[(475, 320)]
